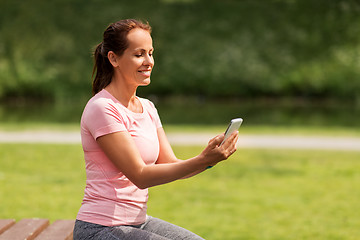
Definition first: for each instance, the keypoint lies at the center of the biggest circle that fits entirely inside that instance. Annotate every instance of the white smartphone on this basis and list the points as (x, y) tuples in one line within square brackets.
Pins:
[(233, 126)]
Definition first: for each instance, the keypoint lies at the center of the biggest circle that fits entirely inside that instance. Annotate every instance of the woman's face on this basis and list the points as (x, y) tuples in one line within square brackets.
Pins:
[(136, 63)]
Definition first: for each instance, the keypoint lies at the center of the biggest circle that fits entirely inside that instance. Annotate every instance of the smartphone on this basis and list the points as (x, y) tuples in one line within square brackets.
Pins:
[(233, 126)]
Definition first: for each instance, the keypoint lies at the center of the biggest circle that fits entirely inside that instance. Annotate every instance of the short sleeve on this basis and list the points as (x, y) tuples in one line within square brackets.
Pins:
[(101, 117)]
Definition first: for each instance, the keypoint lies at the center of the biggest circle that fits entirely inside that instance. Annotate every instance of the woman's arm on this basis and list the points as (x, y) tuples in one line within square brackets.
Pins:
[(166, 154), (122, 151)]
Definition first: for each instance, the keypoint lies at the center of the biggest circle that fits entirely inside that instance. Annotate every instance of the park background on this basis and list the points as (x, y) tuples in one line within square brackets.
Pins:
[(266, 60), (285, 66)]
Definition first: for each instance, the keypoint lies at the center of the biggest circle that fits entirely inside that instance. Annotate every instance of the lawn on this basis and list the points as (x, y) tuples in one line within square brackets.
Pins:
[(257, 194)]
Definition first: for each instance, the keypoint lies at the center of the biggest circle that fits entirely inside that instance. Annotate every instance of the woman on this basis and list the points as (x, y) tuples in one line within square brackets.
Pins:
[(125, 147)]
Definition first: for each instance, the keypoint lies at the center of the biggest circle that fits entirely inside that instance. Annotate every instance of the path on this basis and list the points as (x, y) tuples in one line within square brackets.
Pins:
[(245, 141)]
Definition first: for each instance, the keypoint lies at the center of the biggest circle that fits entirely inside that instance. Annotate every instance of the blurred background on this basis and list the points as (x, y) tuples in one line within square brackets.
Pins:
[(279, 62)]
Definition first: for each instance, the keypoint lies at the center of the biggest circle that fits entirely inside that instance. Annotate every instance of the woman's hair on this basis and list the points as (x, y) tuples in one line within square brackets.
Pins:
[(114, 39)]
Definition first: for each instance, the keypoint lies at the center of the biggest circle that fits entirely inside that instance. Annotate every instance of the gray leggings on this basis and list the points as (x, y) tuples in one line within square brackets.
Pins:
[(152, 228)]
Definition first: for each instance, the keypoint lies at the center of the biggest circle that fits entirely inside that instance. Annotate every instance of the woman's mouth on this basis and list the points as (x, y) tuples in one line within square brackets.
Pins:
[(145, 73)]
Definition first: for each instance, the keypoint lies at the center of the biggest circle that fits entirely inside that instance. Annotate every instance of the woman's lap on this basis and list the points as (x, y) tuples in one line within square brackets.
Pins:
[(168, 230), (153, 228)]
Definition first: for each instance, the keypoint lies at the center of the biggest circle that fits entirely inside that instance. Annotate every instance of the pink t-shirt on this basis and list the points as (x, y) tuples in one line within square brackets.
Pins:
[(110, 198)]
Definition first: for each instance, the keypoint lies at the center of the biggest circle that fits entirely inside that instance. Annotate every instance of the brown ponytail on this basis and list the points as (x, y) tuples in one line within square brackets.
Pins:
[(114, 39), (103, 70)]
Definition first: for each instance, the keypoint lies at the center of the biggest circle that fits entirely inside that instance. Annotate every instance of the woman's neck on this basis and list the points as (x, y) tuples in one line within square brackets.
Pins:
[(125, 95)]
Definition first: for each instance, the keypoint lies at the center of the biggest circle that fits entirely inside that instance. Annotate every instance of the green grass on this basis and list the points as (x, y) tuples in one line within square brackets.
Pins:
[(267, 194), (44, 181), (257, 194)]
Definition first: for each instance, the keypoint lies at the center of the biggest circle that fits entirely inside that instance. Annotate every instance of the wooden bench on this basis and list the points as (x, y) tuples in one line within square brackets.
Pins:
[(37, 229)]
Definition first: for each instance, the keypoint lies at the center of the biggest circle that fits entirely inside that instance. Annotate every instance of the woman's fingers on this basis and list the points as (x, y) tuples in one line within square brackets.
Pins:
[(216, 141), (231, 141), (214, 152), (230, 144)]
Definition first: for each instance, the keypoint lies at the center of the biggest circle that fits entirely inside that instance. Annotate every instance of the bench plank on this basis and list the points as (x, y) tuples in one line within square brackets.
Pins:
[(5, 224), (25, 229), (59, 230)]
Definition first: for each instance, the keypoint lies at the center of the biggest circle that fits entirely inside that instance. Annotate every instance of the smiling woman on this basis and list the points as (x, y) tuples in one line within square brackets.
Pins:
[(125, 147), (115, 43), (132, 68)]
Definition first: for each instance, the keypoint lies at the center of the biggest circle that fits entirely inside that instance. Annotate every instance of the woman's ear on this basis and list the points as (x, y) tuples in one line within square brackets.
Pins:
[(112, 58)]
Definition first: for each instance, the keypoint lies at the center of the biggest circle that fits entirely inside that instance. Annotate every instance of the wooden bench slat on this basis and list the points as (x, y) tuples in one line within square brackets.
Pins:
[(5, 224), (59, 230), (25, 229)]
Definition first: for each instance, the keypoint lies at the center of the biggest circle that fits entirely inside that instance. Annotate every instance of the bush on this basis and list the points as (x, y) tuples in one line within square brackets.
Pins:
[(208, 48)]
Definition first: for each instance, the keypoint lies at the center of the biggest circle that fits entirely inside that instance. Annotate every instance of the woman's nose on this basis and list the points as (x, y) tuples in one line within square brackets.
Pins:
[(149, 60)]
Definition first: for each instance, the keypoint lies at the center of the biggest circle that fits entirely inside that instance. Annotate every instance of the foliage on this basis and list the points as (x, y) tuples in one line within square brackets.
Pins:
[(211, 48), (257, 194)]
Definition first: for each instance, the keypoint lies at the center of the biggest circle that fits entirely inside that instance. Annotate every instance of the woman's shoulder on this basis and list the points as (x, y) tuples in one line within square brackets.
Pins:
[(147, 103), (100, 103), (100, 99)]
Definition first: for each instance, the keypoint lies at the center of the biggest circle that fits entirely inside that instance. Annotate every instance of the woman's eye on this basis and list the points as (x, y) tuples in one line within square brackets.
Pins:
[(142, 54)]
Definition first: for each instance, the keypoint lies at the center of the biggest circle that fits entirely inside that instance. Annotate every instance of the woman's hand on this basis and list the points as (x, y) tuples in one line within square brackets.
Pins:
[(216, 152)]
